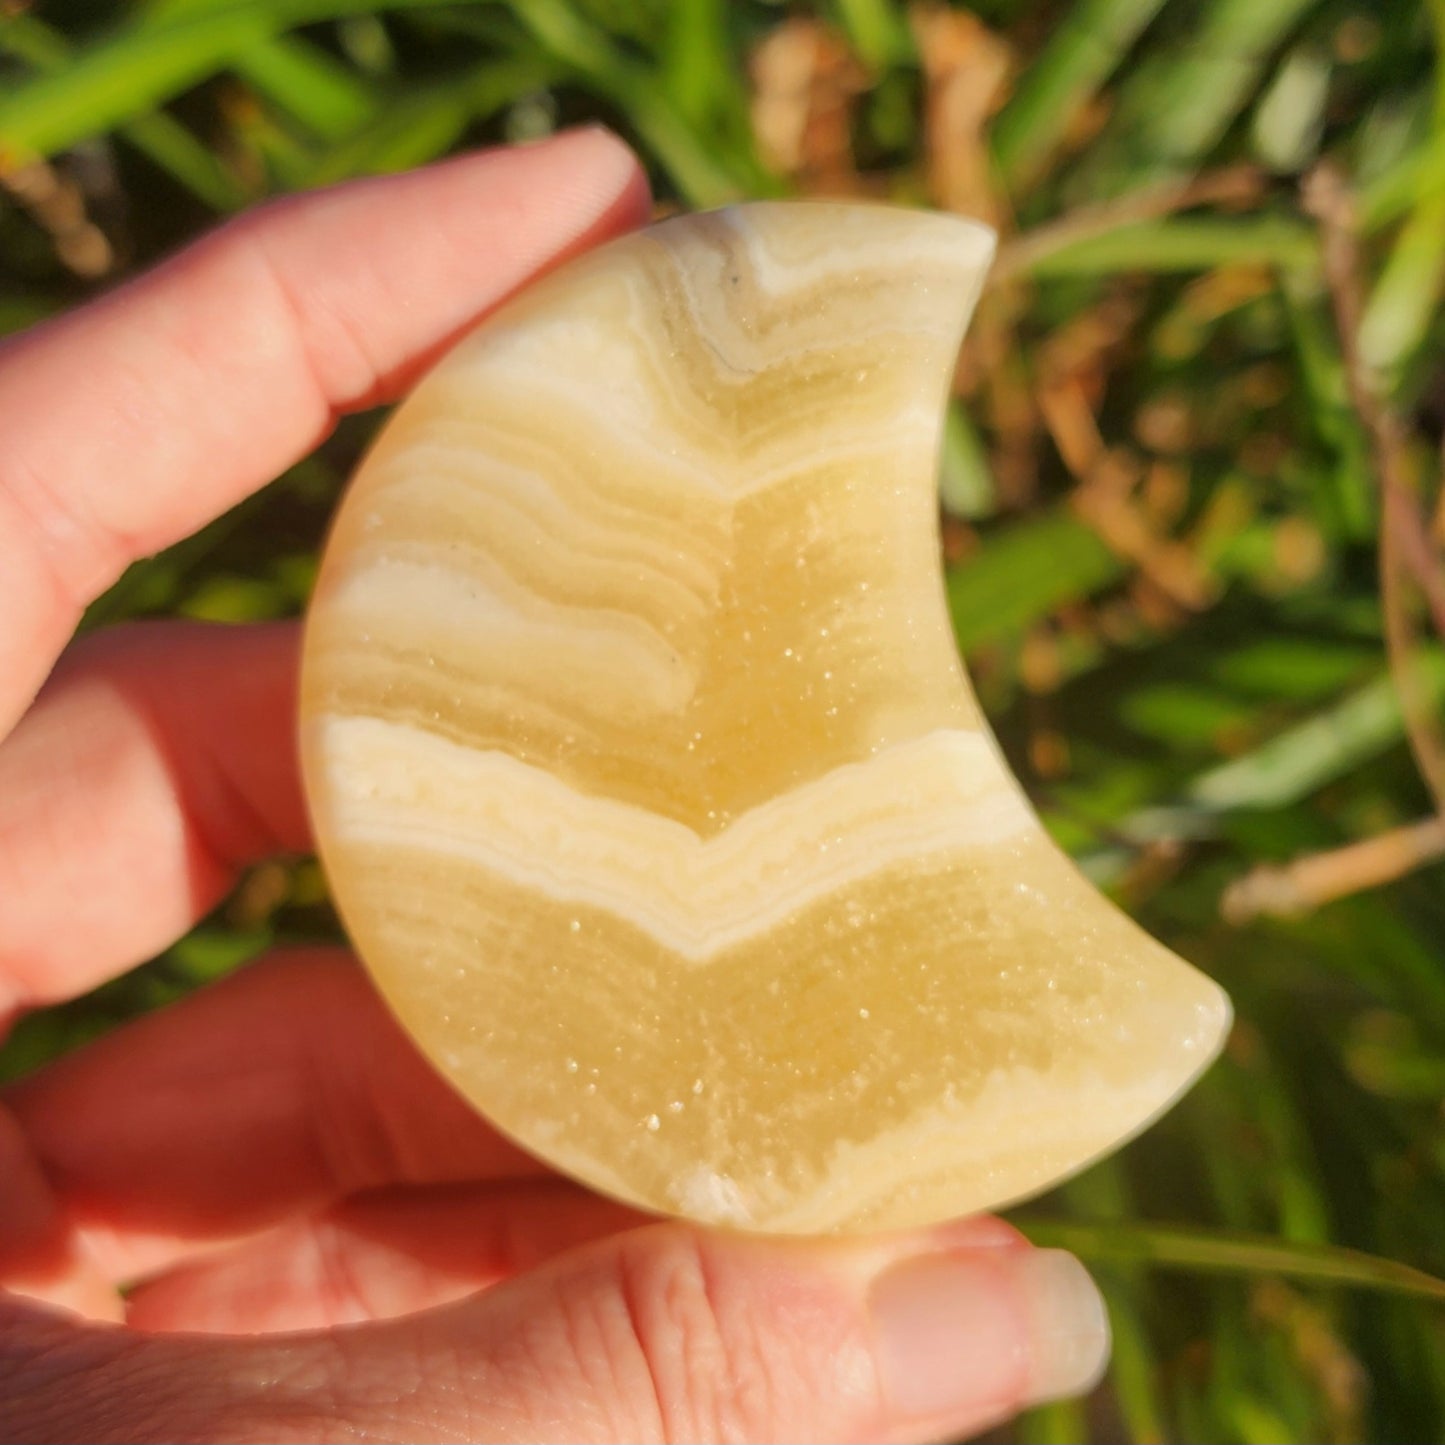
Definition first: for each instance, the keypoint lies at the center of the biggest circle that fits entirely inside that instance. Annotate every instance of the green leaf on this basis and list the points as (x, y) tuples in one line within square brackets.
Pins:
[(320, 93), (1303, 758), (33, 41), (1418, 177), (1081, 55), (965, 481), (1402, 303), (1059, 1423), (1180, 101), (1134, 1369), (1298, 668), (586, 52), (1290, 118), (877, 32), (698, 69), (145, 64), (18, 312), (1023, 574), (1346, 503), (1181, 712), (160, 137), (423, 124), (211, 952)]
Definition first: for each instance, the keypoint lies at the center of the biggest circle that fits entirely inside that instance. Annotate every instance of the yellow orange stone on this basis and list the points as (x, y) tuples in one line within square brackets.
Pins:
[(646, 774)]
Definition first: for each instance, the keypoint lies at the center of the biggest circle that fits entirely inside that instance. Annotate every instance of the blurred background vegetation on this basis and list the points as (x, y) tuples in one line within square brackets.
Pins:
[(1192, 527)]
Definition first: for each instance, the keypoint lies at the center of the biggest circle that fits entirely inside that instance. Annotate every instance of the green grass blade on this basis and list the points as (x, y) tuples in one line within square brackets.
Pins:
[(877, 32), (1290, 117), (1179, 102), (1134, 1368), (1345, 500), (323, 95), (419, 127), (1292, 766), (1212, 80), (36, 43), (412, 130), (145, 64), (702, 76), (159, 136), (198, 168), (965, 480), (1061, 1422), (1414, 179), (117, 79), (1303, 758), (586, 52), (1226, 1252), (1402, 304), (1081, 55), (18, 312), (1184, 244), (300, 78), (697, 68)]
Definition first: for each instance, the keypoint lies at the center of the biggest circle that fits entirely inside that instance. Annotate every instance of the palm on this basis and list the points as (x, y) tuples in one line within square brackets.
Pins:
[(223, 1158)]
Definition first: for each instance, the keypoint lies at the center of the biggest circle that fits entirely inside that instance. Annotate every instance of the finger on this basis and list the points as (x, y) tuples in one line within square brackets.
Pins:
[(660, 1334), (281, 1088), (40, 1255), (158, 759), (133, 421), (377, 1256)]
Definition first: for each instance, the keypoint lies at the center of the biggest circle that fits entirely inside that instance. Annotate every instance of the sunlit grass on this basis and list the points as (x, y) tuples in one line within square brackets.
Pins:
[(1161, 529)]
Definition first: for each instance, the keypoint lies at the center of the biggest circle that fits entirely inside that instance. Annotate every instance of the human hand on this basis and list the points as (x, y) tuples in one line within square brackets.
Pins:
[(271, 1155)]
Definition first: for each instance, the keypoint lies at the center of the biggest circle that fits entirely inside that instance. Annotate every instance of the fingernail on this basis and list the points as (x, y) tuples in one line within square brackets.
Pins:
[(974, 1330), (1069, 1321)]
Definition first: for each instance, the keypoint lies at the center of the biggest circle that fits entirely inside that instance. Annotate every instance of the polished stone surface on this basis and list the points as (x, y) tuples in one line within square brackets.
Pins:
[(646, 774)]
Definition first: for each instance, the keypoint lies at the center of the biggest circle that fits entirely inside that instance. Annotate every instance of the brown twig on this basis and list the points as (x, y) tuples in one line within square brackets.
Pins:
[(1327, 198), (965, 73), (1422, 728), (1405, 546), (806, 83), (1319, 878), (1405, 551), (1104, 498), (58, 206)]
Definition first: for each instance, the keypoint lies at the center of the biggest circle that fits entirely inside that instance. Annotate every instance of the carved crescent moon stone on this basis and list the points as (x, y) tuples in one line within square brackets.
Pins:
[(649, 783)]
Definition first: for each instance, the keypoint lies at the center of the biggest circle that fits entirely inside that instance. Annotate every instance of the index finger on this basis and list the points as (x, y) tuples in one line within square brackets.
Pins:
[(129, 423)]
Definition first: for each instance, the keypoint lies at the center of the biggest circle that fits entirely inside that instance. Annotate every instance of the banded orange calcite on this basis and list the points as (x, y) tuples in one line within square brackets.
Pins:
[(649, 783)]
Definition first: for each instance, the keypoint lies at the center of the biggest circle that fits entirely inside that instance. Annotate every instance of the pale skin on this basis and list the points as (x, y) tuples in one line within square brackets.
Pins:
[(315, 1238)]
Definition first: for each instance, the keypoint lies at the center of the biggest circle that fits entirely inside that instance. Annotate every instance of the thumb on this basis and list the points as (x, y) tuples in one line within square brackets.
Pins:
[(661, 1334)]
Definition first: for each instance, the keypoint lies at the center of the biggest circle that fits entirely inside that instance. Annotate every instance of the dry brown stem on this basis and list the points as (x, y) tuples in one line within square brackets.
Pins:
[(1406, 554), (1406, 550), (805, 84), (1104, 498), (965, 70), (1319, 878), (58, 207)]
